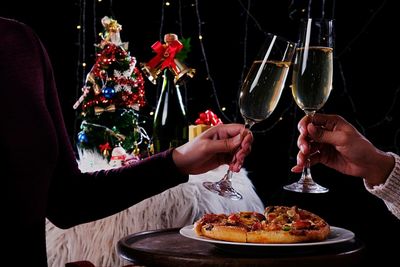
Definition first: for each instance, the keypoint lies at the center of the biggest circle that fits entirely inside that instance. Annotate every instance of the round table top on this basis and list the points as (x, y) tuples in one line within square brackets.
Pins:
[(170, 248)]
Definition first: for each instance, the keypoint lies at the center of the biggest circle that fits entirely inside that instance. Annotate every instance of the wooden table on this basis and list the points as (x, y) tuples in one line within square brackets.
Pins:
[(169, 248)]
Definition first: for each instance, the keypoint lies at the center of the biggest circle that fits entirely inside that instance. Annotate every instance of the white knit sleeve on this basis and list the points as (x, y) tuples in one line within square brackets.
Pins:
[(389, 191)]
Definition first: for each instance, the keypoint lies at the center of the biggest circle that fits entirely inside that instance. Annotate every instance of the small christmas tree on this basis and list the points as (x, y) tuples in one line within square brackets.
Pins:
[(111, 97)]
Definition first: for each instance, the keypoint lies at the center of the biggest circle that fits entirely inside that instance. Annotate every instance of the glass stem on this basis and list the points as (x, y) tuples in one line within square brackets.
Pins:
[(306, 177), (228, 176)]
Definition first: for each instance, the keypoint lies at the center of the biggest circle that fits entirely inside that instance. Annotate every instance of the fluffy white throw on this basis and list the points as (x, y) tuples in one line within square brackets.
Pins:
[(179, 206)]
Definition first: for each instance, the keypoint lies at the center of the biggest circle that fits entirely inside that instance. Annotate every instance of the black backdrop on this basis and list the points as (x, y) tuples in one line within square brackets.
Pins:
[(366, 87)]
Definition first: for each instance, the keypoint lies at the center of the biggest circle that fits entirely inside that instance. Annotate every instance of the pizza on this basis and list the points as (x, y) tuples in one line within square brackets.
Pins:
[(278, 224)]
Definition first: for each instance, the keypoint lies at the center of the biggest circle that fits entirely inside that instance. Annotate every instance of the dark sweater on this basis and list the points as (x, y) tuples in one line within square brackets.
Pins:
[(37, 159)]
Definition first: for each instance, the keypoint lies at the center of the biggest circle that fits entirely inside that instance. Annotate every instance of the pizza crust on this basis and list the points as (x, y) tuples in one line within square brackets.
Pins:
[(222, 232), (286, 237)]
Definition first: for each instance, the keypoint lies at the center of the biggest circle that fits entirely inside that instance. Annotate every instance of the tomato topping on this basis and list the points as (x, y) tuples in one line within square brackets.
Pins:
[(256, 226), (234, 217), (209, 218), (301, 224)]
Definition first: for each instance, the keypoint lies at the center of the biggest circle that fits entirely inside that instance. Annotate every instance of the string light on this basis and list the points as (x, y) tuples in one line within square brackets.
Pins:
[(209, 77), (80, 68), (185, 90)]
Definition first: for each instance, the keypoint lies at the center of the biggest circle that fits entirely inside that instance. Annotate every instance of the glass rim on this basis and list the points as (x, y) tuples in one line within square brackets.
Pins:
[(279, 37)]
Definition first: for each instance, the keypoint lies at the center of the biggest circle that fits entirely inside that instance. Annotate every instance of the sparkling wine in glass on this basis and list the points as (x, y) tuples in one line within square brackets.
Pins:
[(259, 95), (312, 83)]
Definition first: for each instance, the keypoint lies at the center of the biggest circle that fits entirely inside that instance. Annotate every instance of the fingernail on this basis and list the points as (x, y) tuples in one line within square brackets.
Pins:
[(294, 169), (237, 139)]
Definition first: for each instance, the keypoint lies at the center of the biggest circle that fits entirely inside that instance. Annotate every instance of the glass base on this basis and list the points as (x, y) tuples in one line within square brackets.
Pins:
[(305, 187), (223, 188)]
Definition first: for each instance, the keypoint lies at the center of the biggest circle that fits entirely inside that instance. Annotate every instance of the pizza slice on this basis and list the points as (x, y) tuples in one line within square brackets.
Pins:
[(233, 227)]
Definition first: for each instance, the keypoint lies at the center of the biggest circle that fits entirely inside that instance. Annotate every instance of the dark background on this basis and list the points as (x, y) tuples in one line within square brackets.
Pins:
[(365, 89)]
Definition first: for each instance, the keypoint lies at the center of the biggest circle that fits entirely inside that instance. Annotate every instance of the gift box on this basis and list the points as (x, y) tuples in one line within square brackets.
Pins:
[(206, 120), (195, 130)]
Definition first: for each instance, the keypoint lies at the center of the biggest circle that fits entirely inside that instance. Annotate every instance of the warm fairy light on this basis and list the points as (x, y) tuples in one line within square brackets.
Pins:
[(167, 3), (223, 108), (78, 27), (98, 0), (84, 64), (151, 113), (200, 37)]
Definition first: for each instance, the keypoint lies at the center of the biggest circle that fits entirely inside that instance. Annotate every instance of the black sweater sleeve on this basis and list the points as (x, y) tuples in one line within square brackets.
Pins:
[(43, 177)]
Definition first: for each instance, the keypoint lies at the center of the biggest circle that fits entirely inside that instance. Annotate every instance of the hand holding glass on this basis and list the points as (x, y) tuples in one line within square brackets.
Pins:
[(259, 95), (312, 82)]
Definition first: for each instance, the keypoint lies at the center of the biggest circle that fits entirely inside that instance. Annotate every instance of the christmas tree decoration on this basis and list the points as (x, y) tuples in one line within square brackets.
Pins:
[(168, 56), (111, 99)]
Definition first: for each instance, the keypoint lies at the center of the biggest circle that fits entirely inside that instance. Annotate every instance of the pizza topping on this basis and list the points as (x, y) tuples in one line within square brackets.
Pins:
[(302, 224), (209, 227), (256, 226), (292, 212)]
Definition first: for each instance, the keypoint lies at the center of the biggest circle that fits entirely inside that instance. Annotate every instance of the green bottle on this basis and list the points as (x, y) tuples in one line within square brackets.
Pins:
[(170, 126)]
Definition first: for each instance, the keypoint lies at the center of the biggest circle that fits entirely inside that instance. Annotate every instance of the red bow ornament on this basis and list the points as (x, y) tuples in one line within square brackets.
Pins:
[(165, 58), (208, 118), (166, 53)]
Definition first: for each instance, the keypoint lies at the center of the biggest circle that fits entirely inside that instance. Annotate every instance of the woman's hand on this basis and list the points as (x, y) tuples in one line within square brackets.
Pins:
[(216, 146)]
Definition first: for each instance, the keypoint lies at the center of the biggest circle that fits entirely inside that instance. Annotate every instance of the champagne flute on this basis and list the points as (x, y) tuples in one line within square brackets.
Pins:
[(312, 83), (259, 95)]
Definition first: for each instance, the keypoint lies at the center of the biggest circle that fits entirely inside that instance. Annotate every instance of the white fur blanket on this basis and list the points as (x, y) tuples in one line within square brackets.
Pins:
[(176, 207)]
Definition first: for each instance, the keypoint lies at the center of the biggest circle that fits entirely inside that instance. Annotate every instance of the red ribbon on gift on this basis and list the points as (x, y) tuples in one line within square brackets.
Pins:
[(165, 55), (208, 118)]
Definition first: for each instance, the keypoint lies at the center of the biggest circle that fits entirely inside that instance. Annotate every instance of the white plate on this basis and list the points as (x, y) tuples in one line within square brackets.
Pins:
[(337, 235)]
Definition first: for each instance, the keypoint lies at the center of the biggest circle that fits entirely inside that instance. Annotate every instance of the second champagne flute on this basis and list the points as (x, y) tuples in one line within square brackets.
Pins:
[(312, 83), (259, 95)]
